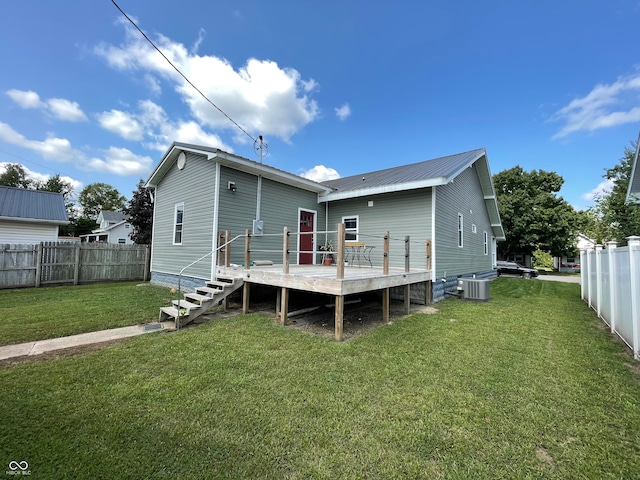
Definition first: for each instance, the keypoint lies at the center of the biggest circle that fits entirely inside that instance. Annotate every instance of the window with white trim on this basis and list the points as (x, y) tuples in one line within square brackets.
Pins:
[(351, 228), (485, 240), (460, 231), (178, 224)]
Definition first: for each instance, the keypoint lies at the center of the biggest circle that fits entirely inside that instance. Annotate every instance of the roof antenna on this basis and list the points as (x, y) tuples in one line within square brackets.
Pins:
[(260, 147)]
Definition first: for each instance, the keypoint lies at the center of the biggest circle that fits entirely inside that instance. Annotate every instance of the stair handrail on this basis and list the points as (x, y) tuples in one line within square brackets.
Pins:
[(179, 292)]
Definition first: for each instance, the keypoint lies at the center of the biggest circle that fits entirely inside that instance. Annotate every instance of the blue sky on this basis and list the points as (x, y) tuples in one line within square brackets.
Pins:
[(335, 87)]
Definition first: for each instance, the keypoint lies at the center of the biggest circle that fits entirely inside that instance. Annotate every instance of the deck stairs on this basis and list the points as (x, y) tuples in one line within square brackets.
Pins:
[(204, 298)]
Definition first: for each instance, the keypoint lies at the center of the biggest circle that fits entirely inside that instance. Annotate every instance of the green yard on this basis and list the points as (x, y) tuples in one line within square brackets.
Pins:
[(37, 313), (529, 385)]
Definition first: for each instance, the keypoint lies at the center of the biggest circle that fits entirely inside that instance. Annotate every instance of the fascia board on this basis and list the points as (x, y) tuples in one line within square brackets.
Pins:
[(35, 220), (398, 187)]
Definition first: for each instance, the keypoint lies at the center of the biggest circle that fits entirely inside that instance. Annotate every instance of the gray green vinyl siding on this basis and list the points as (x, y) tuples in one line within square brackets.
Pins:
[(194, 186), (401, 214), (278, 208), (464, 196)]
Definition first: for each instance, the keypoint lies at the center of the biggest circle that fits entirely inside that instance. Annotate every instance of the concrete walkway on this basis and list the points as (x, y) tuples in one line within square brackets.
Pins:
[(42, 346)]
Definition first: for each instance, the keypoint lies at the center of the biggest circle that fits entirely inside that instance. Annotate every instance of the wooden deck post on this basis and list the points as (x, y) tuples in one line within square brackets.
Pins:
[(227, 248), (284, 306), (340, 260), (385, 271), (407, 268), (428, 289), (278, 297), (339, 317), (247, 263)]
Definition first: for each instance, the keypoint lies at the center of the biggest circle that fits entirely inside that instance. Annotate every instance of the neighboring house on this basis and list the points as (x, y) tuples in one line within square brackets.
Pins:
[(633, 192), (199, 190), (30, 216), (568, 264), (114, 228)]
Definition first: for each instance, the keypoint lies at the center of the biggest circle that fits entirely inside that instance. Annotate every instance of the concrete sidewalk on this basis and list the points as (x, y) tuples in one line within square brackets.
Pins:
[(42, 346)]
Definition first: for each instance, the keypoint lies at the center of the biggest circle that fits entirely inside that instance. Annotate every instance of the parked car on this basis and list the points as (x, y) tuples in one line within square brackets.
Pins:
[(513, 268)]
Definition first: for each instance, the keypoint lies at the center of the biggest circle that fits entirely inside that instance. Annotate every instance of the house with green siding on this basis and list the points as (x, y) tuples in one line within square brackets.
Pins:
[(198, 191)]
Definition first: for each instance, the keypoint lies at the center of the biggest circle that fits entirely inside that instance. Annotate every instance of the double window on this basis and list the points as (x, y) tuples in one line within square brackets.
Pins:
[(178, 223), (486, 243), (350, 228), (460, 231)]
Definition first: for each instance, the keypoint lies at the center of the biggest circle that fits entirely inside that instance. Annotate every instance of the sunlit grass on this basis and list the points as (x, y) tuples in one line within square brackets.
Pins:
[(526, 386)]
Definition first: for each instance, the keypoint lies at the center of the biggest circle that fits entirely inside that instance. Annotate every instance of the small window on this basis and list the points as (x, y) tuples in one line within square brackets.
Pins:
[(485, 240), (122, 240), (571, 259), (126, 225), (460, 231), (474, 229), (350, 228), (177, 227)]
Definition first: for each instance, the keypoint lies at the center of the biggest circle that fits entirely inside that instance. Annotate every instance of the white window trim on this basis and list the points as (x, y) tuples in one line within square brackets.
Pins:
[(351, 230), (485, 238), (460, 230), (175, 223)]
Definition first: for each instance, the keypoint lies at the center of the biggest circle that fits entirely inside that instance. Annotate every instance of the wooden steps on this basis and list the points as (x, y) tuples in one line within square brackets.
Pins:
[(195, 304)]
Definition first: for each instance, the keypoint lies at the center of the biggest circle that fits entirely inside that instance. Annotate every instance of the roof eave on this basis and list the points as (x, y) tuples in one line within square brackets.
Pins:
[(35, 220), (398, 187)]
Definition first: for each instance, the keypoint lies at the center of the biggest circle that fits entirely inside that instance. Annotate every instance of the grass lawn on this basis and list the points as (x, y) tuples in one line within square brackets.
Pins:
[(37, 313), (528, 385)]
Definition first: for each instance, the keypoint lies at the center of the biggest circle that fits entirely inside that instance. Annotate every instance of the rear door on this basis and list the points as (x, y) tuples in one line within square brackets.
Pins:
[(307, 221)]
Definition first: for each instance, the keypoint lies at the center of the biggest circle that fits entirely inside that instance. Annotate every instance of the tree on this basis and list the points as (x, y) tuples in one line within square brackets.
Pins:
[(617, 220), (15, 175), (99, 196), (58, 185), (533, 216), (140, 211)]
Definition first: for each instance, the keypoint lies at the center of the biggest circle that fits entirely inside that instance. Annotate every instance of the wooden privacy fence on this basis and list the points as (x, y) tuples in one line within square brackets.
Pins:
[(610, 281), (59, 263)]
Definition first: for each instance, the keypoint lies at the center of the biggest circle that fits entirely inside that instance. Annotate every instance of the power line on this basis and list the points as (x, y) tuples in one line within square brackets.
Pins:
[(181, 74)]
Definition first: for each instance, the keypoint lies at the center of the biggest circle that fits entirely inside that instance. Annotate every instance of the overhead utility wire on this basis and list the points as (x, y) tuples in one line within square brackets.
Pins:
[(181, 74)]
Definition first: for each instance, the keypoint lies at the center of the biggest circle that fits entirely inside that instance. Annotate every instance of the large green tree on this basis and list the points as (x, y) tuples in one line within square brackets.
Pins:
[(617, 220), (100, 196), (14, 175), (533, 215), (140, 211)]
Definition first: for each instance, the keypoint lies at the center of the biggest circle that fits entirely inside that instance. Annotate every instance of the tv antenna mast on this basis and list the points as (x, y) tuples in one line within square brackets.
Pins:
[(260, 147)]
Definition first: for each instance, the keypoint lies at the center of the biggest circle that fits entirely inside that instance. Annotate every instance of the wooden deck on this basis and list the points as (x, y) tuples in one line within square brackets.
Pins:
[(324, 279)]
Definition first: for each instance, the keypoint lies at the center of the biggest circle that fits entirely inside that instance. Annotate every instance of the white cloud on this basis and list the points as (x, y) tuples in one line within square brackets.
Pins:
[(116, 160), (320, 173), (152, 126), (25, 98), (121, 161), (58, 107), (66, 110), (260, 96), (604, 107), (343, 112), (602, 189), (122, 124)]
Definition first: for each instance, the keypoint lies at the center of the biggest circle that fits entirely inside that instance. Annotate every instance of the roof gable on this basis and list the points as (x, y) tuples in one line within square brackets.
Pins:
[(32, 205), (233, 161), (112, 217)]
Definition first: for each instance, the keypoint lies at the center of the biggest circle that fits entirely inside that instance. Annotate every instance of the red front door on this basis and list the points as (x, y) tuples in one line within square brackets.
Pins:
[(306, 239)]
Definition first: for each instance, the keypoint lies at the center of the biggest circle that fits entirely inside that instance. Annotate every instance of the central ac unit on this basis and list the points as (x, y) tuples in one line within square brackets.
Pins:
[(474, 289)]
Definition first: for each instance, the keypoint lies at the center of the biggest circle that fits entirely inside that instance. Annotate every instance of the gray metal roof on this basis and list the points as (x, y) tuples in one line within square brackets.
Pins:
[(633, 192), (111, 216), (33, 205), (440, 171)]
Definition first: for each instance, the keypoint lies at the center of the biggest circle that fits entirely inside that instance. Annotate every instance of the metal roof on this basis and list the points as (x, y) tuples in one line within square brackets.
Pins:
[(438, 171), (32, 205), (111, 216)]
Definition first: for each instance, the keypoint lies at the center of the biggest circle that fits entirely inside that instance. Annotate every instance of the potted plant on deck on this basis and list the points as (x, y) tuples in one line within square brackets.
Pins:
[(327, 256)]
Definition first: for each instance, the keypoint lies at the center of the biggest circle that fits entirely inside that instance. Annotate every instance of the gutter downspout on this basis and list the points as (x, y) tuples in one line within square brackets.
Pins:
[(259, 197)]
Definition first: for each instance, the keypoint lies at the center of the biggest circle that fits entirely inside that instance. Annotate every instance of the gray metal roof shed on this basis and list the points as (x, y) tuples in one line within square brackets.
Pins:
[(32, 206)]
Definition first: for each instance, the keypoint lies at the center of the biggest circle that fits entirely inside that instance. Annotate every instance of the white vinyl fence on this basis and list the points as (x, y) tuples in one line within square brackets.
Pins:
[(611, 286)]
